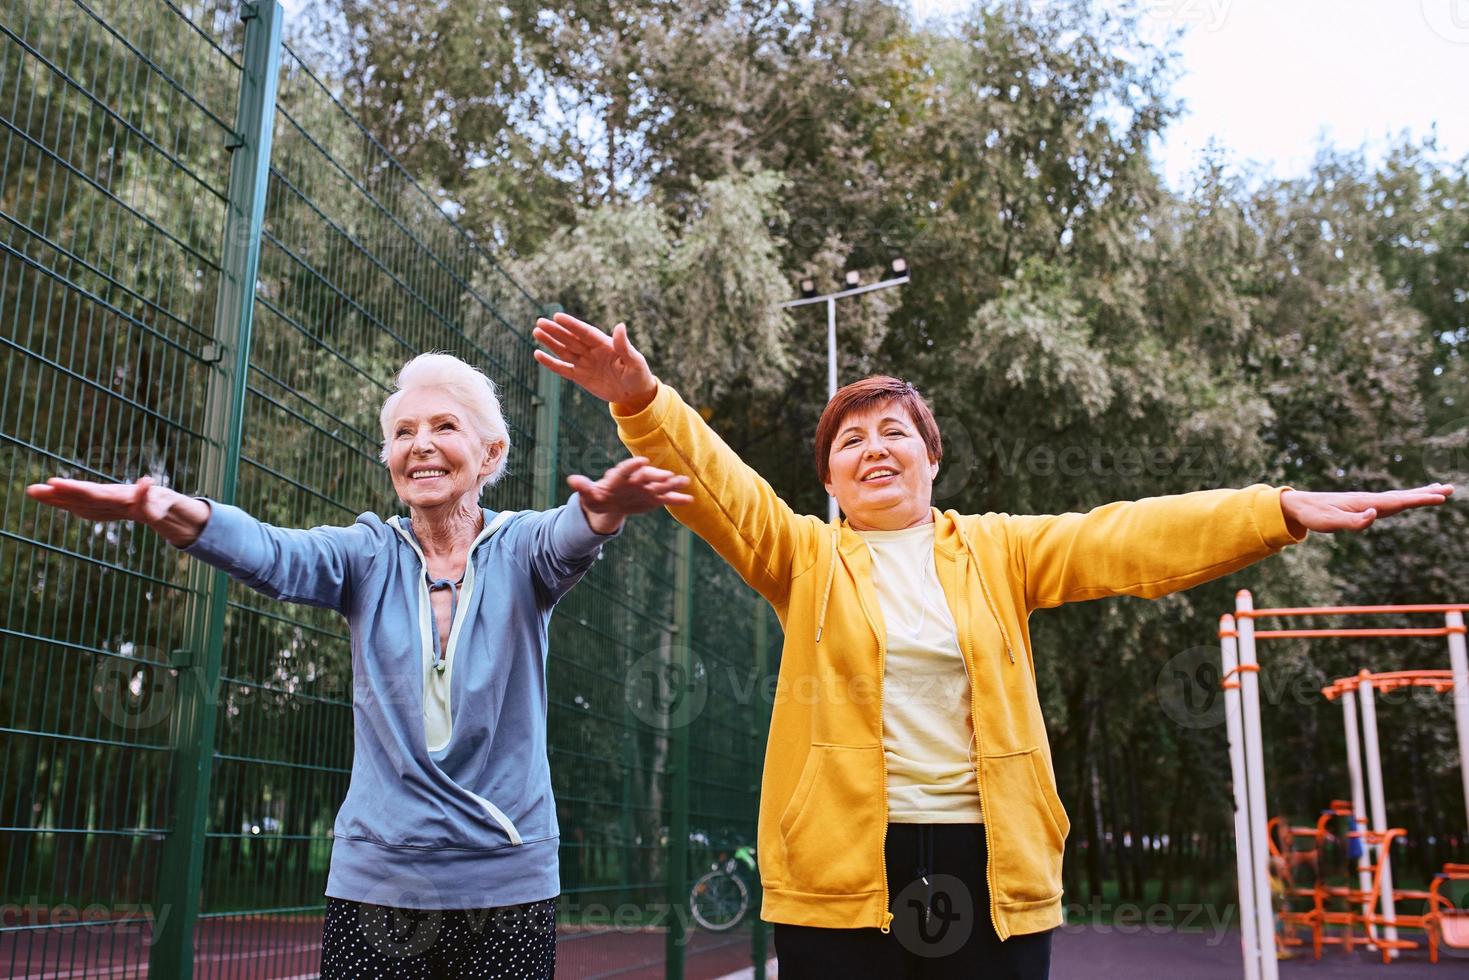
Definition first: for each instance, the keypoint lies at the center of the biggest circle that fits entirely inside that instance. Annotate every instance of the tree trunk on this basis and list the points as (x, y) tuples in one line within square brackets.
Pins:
[(1170, 853), (1139, 857)]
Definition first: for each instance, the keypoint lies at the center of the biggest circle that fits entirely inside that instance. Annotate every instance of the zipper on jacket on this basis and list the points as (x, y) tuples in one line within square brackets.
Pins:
[(985, 589), (425, 604), (882, 657), (427, 623), (977, 762), (989, 851)]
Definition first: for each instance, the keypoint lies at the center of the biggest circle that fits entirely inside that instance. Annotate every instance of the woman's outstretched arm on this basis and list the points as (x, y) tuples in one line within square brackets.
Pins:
[(1159, 545), (567, 539), (176, 518), (311, 566), (733, 507)]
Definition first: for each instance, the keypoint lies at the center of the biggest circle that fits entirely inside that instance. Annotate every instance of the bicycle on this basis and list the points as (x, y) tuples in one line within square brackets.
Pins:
[(721, 896)]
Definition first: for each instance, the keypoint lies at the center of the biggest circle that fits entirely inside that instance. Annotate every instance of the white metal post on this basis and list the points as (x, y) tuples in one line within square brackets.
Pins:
[(1459, 664), (1249, 690), (831, 377), (1377, 801), (1244, 862), (1359, 796), (831, 347)]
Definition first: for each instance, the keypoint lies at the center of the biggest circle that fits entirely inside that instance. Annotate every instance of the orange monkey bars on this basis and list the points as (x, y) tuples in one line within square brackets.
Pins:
[(1237, 639)]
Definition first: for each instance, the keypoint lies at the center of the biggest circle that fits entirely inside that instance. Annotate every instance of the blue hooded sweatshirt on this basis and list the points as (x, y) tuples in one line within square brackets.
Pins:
[(469, 823)]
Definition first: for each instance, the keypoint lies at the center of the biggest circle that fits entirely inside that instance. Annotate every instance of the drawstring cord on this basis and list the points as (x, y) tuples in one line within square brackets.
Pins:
[(968, 546), (985, 588), (925, 867), (831, 572), (434, 585)]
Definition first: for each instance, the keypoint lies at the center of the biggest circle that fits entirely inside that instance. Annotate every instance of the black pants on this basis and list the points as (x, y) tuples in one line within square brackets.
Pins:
[(941, 924), (375, 942)]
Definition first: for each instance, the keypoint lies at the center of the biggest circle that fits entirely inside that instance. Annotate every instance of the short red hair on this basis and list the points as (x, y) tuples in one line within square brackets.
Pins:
[(861, 396)]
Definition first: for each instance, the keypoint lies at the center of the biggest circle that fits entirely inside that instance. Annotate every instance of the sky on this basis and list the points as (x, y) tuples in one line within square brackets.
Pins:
[(1269, 80)]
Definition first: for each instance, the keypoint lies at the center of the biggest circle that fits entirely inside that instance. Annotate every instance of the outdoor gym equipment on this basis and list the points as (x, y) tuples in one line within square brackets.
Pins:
[(1374, 887), (1285, 846), (1376, 877), (1453, 923), (1237, 640)]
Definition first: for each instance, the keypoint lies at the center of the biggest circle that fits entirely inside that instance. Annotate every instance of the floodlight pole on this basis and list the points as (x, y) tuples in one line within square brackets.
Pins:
[(830, 299)]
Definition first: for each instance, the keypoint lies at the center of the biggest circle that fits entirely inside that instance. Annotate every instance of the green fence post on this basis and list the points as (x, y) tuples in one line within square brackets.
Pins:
[(759, 715), (548, 432), (182, 877), (678, 754)]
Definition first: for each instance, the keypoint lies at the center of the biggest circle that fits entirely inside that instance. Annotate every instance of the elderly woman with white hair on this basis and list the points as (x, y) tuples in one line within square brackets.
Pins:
[(444, 857)]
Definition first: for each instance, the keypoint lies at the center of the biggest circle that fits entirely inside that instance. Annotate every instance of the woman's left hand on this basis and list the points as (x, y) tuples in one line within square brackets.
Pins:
[(630, 487), (1305, 511)]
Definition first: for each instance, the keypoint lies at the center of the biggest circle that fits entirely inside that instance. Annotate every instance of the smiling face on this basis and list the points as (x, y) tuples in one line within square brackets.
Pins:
[(435, 457), (880, 471)]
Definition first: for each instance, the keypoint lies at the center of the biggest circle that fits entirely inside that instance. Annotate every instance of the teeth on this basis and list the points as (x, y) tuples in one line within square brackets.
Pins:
[(424, 474), (879, 473)]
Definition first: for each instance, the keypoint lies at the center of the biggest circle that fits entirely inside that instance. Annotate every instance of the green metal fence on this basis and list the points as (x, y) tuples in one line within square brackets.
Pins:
[(209, 273)]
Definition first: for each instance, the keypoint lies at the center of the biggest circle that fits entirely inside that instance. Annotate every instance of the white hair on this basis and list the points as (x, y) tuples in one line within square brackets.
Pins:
[(462, 382)]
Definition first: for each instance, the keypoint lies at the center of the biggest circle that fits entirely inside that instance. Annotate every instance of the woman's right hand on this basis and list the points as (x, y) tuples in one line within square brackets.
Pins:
[(177, 517), (609, 367)]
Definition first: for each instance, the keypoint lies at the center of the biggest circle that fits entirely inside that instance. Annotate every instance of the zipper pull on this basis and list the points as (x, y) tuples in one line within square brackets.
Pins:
[(1011, 651), (887, 920)]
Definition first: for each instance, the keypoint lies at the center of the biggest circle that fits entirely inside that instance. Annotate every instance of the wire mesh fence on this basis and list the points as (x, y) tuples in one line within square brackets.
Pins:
[(174, 748)]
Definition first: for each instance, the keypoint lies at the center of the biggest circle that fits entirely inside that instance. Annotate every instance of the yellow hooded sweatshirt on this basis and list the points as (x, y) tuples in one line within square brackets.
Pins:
[(823, 802)]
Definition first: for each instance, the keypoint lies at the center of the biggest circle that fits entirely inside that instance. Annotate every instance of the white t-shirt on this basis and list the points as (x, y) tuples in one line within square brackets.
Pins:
[(927, 727)]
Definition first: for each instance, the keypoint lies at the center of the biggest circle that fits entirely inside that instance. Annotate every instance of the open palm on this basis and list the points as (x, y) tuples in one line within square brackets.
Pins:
[(104, 501), (607, 366), (1355, 511), (631, 487)]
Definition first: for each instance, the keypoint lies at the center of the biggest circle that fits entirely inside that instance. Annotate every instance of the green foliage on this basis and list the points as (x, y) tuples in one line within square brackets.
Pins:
[(705, 290), (1083, 333)]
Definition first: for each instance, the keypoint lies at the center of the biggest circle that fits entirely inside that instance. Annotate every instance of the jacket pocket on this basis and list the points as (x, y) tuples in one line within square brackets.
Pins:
[(1027, 828), (832, 826)]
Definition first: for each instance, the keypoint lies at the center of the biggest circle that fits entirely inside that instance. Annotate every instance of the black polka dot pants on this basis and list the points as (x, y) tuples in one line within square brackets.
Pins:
[(375, 942)]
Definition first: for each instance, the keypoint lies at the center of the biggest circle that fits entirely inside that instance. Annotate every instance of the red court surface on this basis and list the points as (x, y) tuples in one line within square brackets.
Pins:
[(288, 948)]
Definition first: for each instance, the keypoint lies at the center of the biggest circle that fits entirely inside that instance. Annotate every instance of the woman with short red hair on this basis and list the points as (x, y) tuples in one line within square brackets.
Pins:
[(909, 822)]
